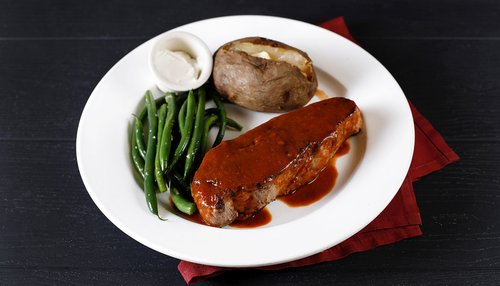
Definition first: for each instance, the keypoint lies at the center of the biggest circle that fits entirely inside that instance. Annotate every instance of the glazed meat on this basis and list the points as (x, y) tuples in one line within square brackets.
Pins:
[(239, 177)]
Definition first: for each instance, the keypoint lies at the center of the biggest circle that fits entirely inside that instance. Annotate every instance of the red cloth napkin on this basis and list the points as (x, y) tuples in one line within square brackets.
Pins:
[(399, 220)]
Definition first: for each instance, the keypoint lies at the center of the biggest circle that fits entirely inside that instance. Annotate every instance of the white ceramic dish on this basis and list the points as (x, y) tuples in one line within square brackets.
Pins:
[(369, 176), (186, 42)]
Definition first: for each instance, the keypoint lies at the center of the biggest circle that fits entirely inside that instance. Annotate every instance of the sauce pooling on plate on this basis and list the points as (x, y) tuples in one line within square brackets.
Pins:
[(320, 187), (321, 95), (263, 217)]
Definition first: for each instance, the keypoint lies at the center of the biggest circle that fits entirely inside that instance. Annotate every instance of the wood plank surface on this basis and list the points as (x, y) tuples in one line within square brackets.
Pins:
[(144, 19)]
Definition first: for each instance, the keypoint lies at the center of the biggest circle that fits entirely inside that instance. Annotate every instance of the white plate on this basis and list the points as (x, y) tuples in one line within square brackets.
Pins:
[(369, 176)]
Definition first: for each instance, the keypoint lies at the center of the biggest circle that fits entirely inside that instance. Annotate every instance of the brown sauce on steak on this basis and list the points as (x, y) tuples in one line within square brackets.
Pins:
[(320, 187), (240, 176), (268, 148)]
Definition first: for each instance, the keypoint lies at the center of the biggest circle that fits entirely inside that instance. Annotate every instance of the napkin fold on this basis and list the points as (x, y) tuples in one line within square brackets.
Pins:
[(399, 220)]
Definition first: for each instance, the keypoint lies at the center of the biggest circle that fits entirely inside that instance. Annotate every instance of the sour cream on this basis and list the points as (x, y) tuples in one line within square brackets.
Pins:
[(177, 66), (180, 61)]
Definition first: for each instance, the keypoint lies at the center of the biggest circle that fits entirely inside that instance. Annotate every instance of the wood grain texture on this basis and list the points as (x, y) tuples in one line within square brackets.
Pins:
[(50, 91), (444, 54), (144, 19), (452, 82)]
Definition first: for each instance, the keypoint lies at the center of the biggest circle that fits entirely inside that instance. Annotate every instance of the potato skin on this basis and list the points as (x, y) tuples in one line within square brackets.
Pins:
[(261, 84)]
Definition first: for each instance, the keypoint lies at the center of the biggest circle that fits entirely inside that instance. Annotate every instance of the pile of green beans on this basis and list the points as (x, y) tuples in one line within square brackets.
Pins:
[(169, 139)]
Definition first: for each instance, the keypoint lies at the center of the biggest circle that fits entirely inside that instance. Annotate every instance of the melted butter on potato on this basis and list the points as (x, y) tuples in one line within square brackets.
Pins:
[(262, 55), (264, 75), (275, 54)]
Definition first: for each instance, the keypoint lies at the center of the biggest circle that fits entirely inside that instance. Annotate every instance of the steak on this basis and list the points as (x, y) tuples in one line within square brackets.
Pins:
[(239, 177)]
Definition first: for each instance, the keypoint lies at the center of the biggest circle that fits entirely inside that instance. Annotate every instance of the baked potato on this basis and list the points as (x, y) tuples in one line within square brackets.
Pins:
[(264, 75)]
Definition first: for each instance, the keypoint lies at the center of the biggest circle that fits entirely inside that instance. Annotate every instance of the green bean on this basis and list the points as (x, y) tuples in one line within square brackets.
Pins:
[(183, 143), (141, 116), (152, 153), (194, 145), (229, 121), (209, 121), (162, 113), (233, 124), (166, 138), (180, 183), (222, 119), (181, 203), (138, 143), (144, 110), (182, 117), (139, 137), (136, 157), (149, 189)]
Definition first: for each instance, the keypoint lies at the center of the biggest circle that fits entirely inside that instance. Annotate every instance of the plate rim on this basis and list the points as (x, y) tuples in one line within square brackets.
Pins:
[(125, 229)]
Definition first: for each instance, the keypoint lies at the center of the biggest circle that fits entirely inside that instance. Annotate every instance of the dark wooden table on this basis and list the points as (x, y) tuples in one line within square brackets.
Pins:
[(444, 54)]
